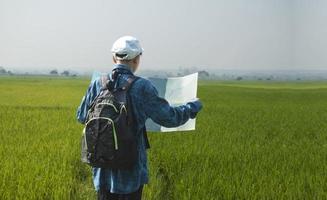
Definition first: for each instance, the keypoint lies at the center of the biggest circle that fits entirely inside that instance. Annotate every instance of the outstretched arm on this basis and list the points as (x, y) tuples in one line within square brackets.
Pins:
[(162, 113)]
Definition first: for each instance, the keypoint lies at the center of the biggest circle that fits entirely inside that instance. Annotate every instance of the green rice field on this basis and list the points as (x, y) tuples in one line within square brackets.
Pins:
[(253, 140)]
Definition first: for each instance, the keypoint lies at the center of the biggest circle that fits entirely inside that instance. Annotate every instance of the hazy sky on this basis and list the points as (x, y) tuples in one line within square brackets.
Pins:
[(212, 34)]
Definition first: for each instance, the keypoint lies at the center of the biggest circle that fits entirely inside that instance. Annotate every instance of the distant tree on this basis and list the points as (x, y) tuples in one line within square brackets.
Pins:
[(2, 70), (204, 73), (54, 72), (65, 73), (270, 78), (10, 73), (239, 78)]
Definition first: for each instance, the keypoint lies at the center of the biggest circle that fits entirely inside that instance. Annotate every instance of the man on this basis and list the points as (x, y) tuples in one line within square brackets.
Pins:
[(145, 103)]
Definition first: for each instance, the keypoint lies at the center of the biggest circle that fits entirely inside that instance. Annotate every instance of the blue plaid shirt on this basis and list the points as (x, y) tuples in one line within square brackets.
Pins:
[(146, 104)]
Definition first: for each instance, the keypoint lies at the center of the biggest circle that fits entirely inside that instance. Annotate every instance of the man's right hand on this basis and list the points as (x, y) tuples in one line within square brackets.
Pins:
[(195, 106)]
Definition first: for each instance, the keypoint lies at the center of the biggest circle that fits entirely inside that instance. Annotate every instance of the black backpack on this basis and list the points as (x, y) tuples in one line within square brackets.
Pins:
[(109, 139)]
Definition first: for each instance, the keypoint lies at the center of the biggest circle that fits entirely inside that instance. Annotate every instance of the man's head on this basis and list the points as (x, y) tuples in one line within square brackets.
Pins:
[(127, 50)]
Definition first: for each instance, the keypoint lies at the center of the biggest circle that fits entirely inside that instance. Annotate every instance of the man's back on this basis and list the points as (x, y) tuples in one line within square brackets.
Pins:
[(145, 104)]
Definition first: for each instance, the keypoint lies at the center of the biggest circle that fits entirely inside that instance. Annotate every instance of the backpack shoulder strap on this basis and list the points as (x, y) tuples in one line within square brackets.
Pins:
[(104, 81), (129, 82)]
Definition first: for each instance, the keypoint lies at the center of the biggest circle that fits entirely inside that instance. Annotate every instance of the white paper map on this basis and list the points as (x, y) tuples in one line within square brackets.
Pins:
[(177, 91)]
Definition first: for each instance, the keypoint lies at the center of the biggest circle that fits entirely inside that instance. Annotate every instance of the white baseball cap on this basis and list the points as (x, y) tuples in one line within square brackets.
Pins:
[(126, 48)]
